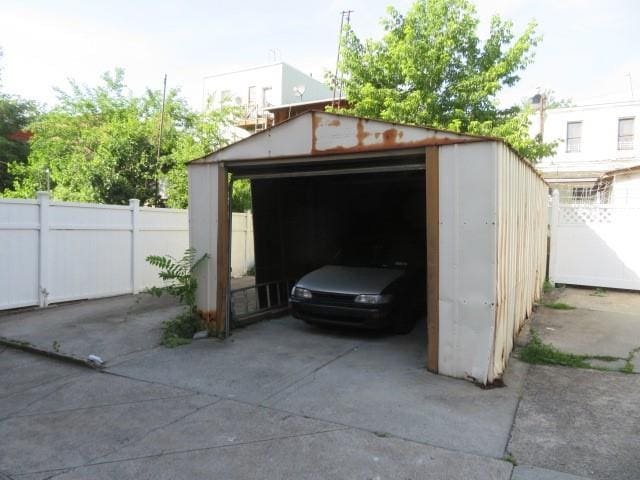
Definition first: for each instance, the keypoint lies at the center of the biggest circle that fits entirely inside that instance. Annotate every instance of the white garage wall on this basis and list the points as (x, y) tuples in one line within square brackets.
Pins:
[(467, 259), (203, 221), (493, 231)]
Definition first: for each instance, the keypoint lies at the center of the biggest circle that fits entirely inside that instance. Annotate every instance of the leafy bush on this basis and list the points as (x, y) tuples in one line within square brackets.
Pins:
[(180, 282), (179, 276), (180, 330)]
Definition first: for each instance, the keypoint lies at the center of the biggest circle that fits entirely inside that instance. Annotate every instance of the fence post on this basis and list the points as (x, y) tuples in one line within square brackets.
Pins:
[(553, 233), (134, 205), (43, 293)]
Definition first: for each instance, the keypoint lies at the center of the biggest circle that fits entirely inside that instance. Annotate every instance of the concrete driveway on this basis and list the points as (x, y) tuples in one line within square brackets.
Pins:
[(280, 399), (584, 422), (111, 328)]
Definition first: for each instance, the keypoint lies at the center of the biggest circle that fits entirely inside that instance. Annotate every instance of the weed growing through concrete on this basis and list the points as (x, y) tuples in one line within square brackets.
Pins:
[(180, 330), (538, 352), (508, 457), (548, 286), (599, 292), (628, 365), (559, 306)]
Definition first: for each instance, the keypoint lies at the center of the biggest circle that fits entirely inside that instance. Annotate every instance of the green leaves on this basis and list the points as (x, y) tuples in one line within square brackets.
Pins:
[(431, 68), (178, 276), (100, 144), (15, 115)]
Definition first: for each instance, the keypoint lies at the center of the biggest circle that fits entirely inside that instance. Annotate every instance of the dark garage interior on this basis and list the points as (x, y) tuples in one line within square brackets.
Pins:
[(303, 221)]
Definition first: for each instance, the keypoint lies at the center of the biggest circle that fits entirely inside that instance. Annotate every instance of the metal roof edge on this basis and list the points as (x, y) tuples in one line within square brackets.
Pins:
[(463, 136), (618, 171)]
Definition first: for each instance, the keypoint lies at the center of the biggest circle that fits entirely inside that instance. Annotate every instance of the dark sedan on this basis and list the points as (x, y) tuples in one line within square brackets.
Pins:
[(366, 291)]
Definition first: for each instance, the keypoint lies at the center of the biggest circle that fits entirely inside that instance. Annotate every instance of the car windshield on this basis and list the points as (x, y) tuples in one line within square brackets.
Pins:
[(371, 254)]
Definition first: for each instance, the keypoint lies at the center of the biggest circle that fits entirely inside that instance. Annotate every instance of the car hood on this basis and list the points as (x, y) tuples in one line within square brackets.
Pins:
[(350, 280)]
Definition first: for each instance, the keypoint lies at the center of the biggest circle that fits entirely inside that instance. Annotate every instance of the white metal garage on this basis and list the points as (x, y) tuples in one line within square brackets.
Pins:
[(485, 220)]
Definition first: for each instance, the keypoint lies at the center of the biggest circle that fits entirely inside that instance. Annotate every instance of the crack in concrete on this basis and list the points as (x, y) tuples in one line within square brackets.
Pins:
[(131, 355), (5, 475), (104, 405), (54, 391), (155, 429), (178, 452), (44, 383), (515, 411), (311, 373), (153, 382)]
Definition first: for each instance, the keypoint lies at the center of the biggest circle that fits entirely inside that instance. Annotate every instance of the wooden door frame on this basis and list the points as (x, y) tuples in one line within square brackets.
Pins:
[(223, 253), (432, 177)]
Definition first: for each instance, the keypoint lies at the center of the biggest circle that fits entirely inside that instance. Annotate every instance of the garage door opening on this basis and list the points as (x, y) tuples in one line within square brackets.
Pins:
[(333, 217)]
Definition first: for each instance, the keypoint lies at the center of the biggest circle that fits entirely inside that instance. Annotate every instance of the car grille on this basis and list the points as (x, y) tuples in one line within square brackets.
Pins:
[(333, 298)]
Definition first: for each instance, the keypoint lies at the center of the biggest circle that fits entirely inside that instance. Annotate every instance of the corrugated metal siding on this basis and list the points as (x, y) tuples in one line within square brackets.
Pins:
[(522, 207), (467, 260)]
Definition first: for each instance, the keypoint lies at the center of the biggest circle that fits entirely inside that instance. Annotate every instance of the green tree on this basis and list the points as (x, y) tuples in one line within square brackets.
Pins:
[(100, 144), (15, 115), (431, 68), (209, 130)]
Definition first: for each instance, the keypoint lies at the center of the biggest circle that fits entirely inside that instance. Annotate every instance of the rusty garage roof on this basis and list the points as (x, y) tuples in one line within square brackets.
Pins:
[(317, 133)]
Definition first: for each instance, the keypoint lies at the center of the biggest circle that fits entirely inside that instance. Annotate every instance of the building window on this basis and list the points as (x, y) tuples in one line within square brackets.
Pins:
[(574, 136), (625, 133), (580, 193), (225, 97), (251, 97), (267, 97)]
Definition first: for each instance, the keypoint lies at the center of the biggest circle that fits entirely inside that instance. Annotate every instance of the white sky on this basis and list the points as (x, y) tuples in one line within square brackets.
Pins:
[(590, 51)]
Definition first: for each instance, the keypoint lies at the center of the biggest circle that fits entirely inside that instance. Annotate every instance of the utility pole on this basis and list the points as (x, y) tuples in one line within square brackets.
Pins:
[(164, 96), (543, 97), (337, 85), (539, 99)]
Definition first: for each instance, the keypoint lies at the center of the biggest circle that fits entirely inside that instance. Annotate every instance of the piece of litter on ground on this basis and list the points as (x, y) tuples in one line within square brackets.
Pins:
[(201, 334), (95, 359), (550, 328)]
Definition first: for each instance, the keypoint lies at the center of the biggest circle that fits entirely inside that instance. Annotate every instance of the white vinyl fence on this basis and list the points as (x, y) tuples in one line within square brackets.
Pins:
[(242, 256), (58, 251), (595, 245)]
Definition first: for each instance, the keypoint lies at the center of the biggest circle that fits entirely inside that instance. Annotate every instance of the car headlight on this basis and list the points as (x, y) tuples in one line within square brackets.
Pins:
[(298, 292), (373, 299)]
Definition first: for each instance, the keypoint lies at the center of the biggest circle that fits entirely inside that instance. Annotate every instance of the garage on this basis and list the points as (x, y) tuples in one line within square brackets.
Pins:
[(466, 210)]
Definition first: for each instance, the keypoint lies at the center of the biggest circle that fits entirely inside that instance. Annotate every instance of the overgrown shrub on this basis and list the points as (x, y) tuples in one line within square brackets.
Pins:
[(178, 275)]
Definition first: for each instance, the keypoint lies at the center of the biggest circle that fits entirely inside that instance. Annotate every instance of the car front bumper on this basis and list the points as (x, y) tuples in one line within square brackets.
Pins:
[(370, 317)]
